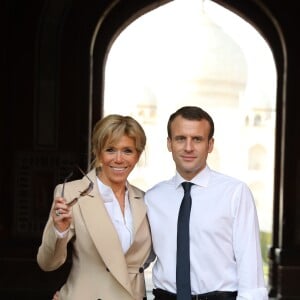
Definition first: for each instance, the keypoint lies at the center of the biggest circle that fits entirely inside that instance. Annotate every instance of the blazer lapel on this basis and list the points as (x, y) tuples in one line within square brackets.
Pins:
[(138, 208), (104, 235)]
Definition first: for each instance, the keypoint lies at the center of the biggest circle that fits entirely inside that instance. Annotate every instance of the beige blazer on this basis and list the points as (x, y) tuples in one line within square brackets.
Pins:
[(100, 270)]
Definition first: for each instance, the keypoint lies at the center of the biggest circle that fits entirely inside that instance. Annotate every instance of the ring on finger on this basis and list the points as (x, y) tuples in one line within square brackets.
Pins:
[(57, 212)]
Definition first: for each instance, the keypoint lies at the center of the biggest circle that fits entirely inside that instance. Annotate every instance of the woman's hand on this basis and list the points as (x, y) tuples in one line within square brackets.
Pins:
[(61, 214), (56, 296)]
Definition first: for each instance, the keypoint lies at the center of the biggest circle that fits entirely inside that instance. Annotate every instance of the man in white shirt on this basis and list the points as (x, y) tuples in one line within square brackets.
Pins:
[(225, 253)]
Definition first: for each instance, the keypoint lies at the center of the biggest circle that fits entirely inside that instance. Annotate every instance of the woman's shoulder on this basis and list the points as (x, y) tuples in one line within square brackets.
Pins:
[(134, 189)]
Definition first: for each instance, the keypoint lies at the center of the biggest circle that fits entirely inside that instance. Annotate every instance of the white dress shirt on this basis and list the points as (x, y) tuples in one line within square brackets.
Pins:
[(224, 235)]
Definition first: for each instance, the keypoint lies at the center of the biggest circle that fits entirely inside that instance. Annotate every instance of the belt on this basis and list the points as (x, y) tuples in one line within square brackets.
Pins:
[(216, 295)]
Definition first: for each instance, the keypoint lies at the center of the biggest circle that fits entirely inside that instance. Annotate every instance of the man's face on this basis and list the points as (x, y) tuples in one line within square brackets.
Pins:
[(189, 145)]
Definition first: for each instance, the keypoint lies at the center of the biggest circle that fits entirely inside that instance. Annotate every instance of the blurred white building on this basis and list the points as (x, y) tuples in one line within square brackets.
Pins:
[(179, 55)]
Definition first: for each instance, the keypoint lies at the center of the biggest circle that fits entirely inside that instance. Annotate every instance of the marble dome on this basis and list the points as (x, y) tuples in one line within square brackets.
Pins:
[(219, 68)]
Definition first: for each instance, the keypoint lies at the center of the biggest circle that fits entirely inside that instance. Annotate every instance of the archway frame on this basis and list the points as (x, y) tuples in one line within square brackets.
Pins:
[(110, 25)]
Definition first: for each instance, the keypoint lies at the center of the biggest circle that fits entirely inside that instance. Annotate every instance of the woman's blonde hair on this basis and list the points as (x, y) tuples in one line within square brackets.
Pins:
[(110, 129)]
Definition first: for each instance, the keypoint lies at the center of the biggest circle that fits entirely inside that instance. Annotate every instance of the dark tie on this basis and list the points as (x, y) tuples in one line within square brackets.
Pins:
[(183, 281)]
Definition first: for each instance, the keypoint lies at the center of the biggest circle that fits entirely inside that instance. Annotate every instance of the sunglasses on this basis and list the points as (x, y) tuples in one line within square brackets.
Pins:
[(83, 193)]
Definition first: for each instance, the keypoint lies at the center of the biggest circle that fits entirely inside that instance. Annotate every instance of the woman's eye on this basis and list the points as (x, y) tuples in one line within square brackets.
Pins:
[(128, 151), (110, 150)]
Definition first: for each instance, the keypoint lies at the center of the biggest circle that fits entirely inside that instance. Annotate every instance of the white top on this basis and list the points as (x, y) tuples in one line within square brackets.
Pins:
[(123, 224), (224, 235)]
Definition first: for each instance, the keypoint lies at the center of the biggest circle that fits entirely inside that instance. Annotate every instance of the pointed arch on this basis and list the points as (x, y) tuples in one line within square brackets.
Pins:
[(258, 15)]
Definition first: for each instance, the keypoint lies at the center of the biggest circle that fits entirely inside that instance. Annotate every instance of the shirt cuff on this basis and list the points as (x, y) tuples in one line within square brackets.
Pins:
[(59, 234)]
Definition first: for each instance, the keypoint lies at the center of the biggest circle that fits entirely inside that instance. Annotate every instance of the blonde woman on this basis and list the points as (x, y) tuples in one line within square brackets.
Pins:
[(107, 226)]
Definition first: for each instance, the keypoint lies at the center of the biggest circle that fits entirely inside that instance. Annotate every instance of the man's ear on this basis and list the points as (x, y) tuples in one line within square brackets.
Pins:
[(169, 144), (211, 145)]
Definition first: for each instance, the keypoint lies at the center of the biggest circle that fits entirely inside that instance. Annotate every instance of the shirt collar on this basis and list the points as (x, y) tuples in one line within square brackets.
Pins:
[(106, 191), (201, 179)]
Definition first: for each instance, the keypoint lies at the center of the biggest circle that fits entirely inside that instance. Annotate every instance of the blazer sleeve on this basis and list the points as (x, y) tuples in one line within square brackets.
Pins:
[(52, 253)]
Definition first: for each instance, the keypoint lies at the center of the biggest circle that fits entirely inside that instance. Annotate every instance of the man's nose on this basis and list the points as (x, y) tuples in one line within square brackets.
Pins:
[(188, 145)]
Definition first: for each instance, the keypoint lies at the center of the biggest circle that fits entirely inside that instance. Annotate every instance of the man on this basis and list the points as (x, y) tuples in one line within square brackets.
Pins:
[(225, 256)]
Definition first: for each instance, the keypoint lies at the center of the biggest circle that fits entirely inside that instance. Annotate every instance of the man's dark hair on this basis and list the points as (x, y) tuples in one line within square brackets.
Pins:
[(192, 113)]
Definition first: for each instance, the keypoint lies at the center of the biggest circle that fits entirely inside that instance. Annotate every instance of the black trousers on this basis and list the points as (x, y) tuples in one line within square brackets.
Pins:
[(217, 295)]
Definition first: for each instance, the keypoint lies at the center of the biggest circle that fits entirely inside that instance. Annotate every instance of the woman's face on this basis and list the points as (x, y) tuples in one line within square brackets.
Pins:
[(118, 160)]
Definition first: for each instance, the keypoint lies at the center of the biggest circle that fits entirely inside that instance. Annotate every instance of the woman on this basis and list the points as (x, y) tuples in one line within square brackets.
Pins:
[(107, 226)]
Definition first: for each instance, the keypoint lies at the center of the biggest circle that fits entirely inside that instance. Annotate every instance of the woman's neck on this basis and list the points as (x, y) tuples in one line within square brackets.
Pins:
[(119, 190)]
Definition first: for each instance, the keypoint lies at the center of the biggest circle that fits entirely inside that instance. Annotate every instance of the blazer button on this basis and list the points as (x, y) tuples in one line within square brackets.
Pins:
[(141, 269), (107, 269)]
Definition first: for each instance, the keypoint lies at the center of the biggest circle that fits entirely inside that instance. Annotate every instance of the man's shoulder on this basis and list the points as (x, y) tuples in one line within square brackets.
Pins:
[(162, 185), (226, 179)]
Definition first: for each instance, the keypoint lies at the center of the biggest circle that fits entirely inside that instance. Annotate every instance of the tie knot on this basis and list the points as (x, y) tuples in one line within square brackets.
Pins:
[(187, 186)]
